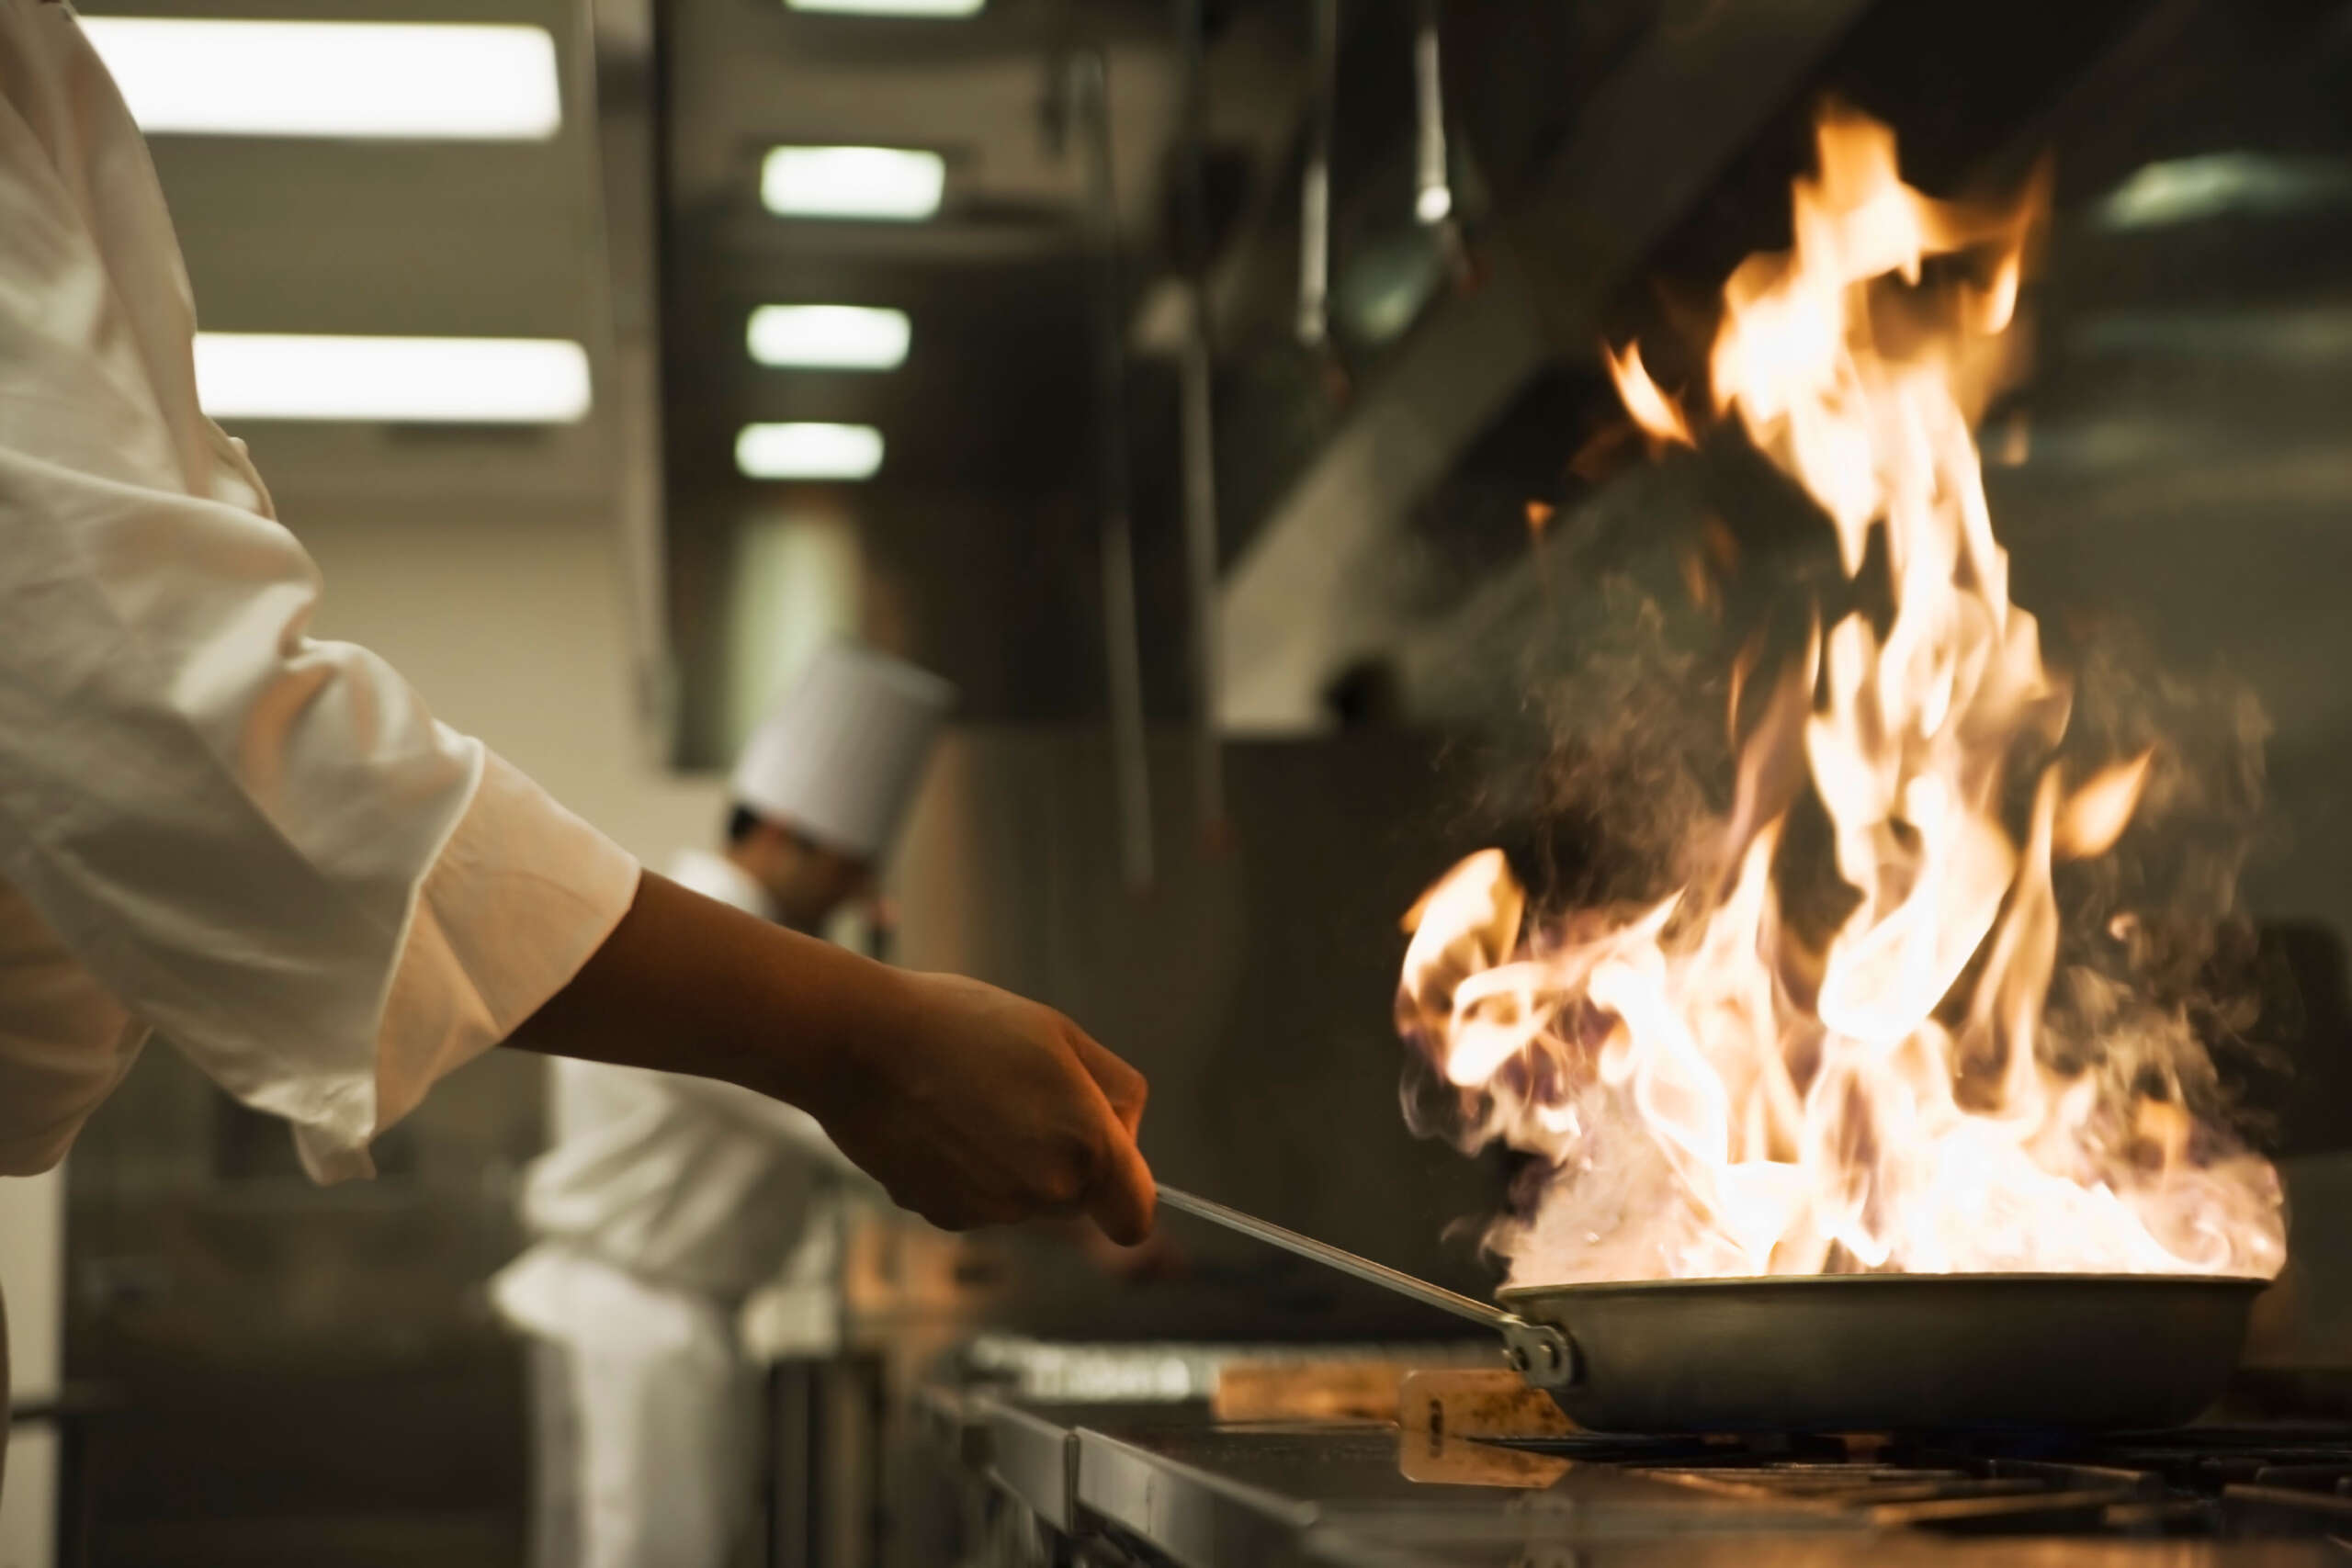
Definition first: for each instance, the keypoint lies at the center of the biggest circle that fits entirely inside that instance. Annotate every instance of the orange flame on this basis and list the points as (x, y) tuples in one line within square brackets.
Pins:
[(1718, 1097), (1652, 409)]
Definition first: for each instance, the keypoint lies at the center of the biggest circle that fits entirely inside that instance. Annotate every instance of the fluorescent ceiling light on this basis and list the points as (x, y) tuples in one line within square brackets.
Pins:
[(853, 182), (459, 82), (829, 337), (2223, 185), (891, 8), (807, 451), (406, 380)]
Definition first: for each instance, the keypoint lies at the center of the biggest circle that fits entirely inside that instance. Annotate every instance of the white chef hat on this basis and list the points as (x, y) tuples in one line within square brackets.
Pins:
[(840, 759)]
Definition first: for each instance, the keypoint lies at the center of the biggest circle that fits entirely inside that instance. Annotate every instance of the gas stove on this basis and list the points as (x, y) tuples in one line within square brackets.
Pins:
[(2215, 1481), (1145, 1485)]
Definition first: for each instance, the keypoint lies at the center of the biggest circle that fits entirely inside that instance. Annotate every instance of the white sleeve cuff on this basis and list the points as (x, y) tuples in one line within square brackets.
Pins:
[(521, 895)]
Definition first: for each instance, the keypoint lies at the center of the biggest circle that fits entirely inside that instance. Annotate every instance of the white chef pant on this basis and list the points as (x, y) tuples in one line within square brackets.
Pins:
[(662, 1449)]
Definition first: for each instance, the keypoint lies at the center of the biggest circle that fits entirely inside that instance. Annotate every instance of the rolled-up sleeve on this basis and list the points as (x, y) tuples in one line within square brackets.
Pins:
[(258, 842)]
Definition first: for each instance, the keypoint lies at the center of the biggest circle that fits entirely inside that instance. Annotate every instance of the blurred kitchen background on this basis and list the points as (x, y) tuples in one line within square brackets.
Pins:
[(1208, 362)]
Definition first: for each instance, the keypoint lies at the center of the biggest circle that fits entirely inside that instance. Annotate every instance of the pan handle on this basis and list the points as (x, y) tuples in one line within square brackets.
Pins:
[(1542, 1354), (1537, 1351)]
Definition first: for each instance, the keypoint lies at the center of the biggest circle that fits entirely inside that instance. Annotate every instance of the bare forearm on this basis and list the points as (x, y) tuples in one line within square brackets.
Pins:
[(689, 985), (969, 1105)]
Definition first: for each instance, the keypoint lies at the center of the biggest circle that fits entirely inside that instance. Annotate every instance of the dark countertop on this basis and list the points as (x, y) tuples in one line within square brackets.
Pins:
[(1287, 1494)]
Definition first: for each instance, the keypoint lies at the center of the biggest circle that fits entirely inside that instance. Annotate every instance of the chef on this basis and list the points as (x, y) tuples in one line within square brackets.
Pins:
[(667, 1200), (260, 845)]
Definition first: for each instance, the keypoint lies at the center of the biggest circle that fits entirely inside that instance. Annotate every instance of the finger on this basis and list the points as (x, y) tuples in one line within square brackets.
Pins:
[(1123, 1196), (1122, 1086)]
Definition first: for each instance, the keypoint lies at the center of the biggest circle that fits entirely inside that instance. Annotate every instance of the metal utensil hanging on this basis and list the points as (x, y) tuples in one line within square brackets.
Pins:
[(1315, 190), (1196, 369), (1090, 97), (1432, 182)]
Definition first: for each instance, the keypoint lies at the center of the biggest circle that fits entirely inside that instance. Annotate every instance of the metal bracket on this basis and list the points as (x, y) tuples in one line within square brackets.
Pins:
[(1540, 1353)]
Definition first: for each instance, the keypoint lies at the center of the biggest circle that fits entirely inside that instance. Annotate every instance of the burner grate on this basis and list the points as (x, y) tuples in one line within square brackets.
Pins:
[(2217, 1481)]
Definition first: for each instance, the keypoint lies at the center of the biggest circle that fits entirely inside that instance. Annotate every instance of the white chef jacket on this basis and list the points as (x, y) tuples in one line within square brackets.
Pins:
[(682, 1184), (211, 823)]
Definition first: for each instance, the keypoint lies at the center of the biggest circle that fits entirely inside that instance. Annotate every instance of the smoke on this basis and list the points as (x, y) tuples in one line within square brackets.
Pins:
[(2160, 979), (1609, 787), (1593, 786)]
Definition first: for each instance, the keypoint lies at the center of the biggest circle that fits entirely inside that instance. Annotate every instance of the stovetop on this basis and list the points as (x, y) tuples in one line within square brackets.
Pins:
[(2233, 1480), (1171, 1483)]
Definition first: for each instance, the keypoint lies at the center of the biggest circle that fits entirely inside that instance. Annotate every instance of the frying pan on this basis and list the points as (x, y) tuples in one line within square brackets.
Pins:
[(1847, 1352)]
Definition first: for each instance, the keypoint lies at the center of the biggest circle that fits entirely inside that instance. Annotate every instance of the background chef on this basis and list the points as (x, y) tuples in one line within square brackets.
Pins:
[(666, 1200)]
